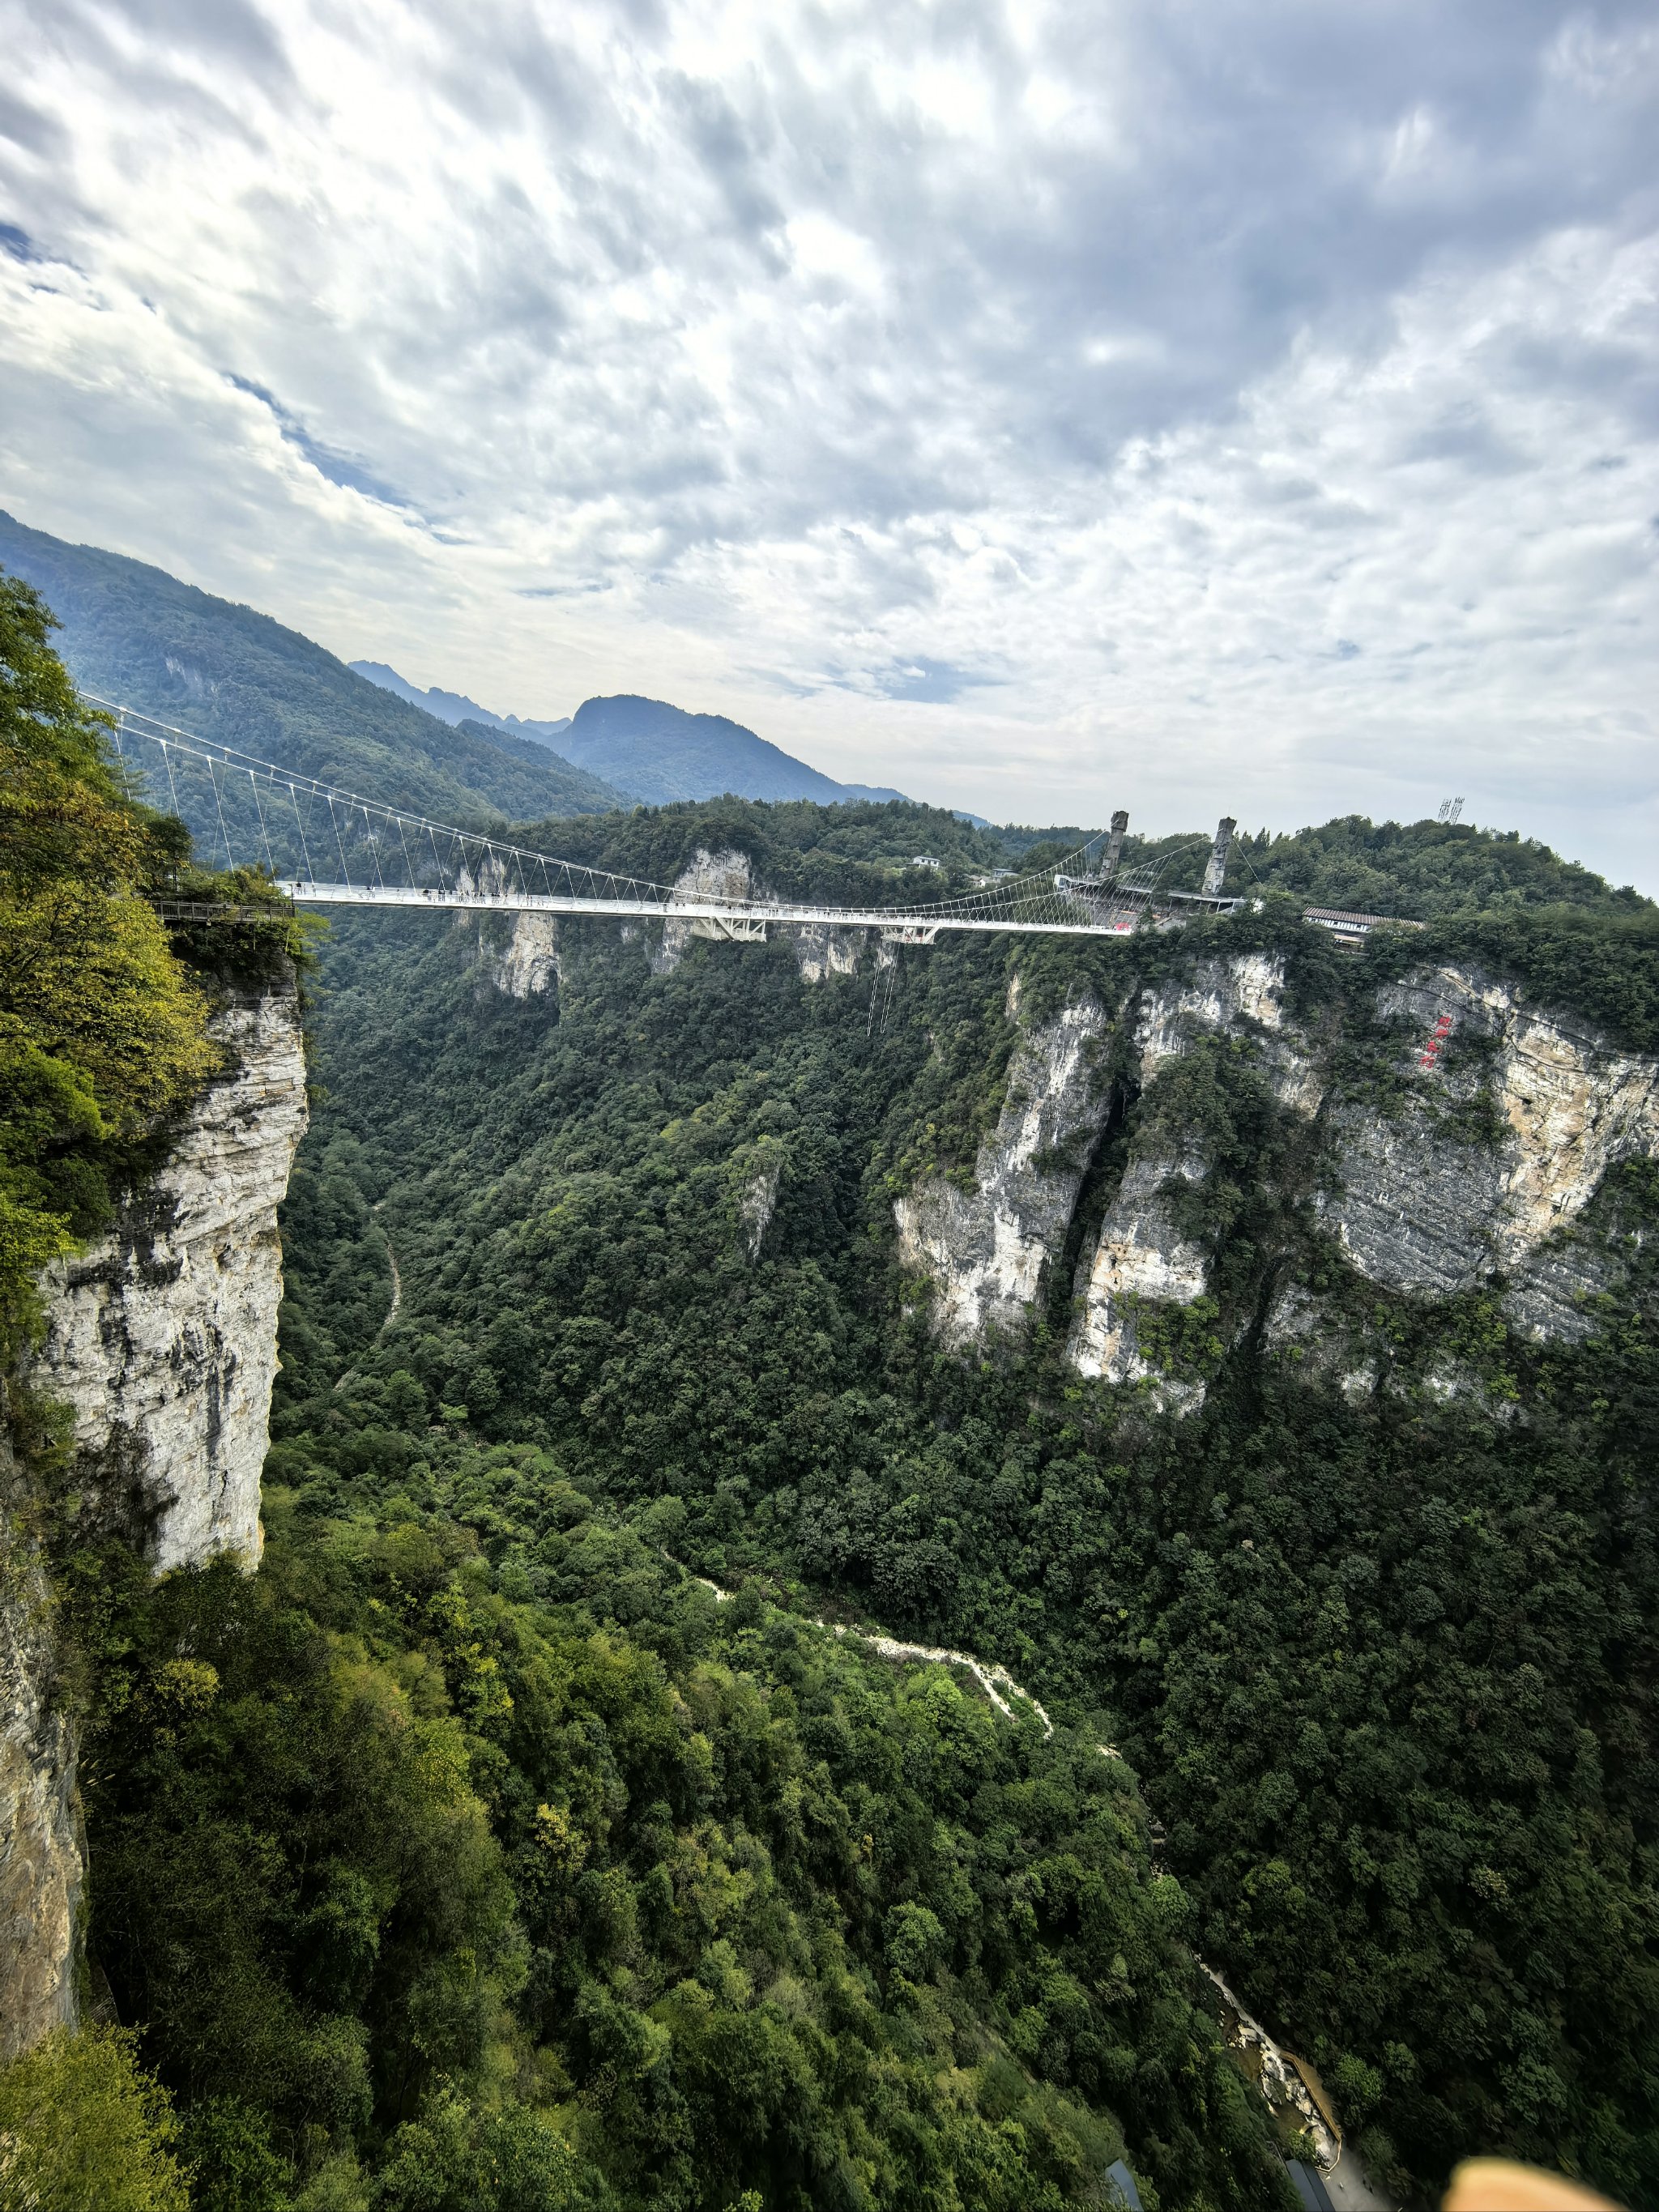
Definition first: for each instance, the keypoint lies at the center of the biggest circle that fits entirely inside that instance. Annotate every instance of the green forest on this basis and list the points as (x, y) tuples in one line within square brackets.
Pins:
[(1385, 1671), (519, 1837)]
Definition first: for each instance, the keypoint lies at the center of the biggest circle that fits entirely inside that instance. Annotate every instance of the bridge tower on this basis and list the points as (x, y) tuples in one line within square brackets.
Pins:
[(1114, 846), (1216, 873)]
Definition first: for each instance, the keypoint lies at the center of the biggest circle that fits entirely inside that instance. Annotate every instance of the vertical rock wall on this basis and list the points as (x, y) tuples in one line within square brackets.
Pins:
[(1477, 1168), (985, 1250), (161, 1340), (1140, 1254), (161, 1337), (528, 965), (42, 1857)]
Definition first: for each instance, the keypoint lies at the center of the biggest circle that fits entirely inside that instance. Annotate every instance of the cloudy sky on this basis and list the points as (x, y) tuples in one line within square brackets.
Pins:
[(1176, 403)]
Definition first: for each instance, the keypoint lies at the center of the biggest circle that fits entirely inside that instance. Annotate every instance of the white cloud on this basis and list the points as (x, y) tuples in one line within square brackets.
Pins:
[(1039, 410)]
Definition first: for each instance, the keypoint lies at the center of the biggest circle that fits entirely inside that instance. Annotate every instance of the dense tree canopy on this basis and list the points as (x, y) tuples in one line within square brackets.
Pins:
[(475, 1855), (1383, 1667)]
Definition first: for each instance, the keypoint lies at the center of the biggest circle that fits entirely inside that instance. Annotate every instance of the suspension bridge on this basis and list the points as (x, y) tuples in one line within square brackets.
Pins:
[(326, 846)]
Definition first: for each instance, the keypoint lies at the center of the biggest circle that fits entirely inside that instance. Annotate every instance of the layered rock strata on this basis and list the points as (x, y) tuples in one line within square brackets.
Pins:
[(528, 965), (1140, 1255), (707, 875), (823, 950), (1424, 1208)]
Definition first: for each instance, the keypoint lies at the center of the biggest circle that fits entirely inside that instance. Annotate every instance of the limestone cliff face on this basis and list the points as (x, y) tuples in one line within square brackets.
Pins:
[(821, 951), (42, 1857), (1423, 1208), (725, 875), (1478, 1167), (1140, 1255), (985, 1250), (527, 966), (1243, 998), (161, 1337)]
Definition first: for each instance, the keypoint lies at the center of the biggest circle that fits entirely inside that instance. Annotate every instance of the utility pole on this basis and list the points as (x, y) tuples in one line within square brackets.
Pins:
[(1216, 874)]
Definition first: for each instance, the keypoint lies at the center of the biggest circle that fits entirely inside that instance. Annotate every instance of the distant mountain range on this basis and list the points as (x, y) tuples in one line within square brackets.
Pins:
[(136, 635), (455, 707), (658, 752)]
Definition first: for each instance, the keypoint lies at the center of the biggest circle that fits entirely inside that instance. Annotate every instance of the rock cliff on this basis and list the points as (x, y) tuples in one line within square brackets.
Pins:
[(1468, 1160), (985, 1250), (1428, 1205), (528, 964), (1140, 1255), (161, 1341), (821, 951), (725, 875), (42, 1855), (161, 1336)]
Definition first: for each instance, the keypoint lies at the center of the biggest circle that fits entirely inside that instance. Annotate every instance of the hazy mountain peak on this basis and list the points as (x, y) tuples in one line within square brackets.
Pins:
[(454, 707), (666, 752), (656, 751)]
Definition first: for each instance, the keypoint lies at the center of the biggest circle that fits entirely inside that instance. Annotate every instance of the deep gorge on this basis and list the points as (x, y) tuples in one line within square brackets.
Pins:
[(1246, 1344)]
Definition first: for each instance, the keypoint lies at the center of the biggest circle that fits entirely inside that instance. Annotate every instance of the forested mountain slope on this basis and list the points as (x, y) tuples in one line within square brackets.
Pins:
[(1358, 1572), (133, 634)]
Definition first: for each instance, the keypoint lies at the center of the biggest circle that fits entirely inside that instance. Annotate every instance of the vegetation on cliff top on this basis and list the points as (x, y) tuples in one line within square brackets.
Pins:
[(101, 1028)]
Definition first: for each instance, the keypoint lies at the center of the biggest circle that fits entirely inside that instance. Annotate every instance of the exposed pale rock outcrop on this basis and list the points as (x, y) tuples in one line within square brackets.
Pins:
[(1483, 1170), (1140, 1255), (529, 964), (161, 1336), (757, 1201), (985, 1250), (1246, 995), (725, 875), (1425, 1211), (1217, 994), (821, 951)]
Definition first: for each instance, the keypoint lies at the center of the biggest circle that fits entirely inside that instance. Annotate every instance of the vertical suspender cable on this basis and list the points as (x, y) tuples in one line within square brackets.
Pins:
[(166, 762), (374, 844), (264, 834), (345, 872), (299, 820), (230, 857)]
